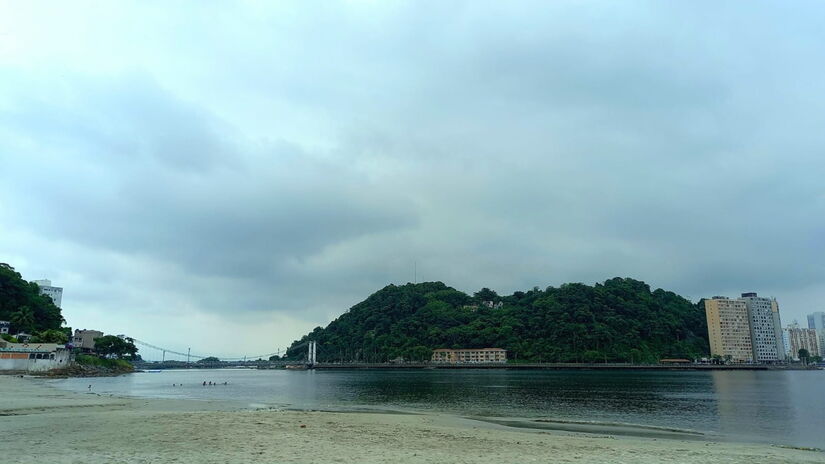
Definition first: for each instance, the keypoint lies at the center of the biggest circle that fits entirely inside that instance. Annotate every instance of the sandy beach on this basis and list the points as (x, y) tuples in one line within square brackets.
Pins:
[(41, 424)]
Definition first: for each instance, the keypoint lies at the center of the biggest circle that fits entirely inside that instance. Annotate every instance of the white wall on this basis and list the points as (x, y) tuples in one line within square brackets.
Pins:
[(61, 359)]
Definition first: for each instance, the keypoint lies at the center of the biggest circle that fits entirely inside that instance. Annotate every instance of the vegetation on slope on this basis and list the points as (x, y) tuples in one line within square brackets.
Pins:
[(22, 304), (617, 321), (106, 363)]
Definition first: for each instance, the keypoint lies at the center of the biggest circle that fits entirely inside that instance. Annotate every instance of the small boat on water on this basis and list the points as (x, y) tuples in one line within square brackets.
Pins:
[(296, 366)]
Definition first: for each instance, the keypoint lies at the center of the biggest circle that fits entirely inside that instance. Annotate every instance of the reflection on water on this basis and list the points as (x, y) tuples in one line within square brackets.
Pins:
[(742, 400), (773, 405), (768, 406)]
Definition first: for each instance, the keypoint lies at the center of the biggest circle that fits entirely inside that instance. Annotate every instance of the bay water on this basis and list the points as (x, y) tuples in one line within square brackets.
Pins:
[(781, 407)]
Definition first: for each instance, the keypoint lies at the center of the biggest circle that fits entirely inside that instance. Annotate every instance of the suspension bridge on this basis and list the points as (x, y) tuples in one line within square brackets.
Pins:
[(158, 357), (151, 353)]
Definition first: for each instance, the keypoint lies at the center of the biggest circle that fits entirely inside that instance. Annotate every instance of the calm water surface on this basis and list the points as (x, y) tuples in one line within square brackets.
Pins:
[(783, 407)]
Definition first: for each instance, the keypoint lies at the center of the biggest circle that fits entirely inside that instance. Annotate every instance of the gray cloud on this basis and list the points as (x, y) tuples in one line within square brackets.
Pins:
[(280, 163)]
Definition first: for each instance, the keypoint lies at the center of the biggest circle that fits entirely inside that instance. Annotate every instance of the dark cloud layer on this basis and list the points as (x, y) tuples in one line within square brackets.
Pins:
[(262, 168)]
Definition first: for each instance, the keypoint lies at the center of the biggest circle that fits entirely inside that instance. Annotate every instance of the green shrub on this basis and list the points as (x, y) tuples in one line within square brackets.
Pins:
[(89, 360)]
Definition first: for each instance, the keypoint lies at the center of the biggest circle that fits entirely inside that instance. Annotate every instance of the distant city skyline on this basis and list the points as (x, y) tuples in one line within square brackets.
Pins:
[(256, 169)]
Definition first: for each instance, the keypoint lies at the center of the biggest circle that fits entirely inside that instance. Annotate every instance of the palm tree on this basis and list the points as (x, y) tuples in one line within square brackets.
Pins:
[(23, 319)]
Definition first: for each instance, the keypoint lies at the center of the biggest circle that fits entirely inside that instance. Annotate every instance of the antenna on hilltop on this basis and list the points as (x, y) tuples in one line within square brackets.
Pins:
[(415, 272)]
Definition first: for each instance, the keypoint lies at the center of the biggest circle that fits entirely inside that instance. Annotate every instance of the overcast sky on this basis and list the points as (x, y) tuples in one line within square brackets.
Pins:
[(227, 176)]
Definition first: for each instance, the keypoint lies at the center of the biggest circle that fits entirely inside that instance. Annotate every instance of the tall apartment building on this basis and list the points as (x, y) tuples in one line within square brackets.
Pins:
[(786, 339), (777, 331), (816, 321), (763, 333), (800, 338), (729, 329), (56, 293)]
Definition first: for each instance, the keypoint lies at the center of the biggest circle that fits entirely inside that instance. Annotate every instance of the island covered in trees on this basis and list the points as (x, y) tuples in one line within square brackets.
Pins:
[(620, 320)]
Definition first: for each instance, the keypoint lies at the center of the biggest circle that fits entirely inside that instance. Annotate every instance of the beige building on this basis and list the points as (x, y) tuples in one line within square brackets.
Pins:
[(471, 355), (800, 338), (85, 339), (729, 329)]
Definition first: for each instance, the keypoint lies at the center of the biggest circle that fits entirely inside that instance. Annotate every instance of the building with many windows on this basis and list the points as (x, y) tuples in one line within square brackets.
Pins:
[(800, 338), (470, 355), (816, 321), (786, 340), (763, 332), (729, 329), (777, 331), (747, 323), (55, 293)]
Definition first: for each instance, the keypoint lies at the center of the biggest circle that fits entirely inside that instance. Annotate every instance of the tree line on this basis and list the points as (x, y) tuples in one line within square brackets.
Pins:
[(30, 312), (619, 320)]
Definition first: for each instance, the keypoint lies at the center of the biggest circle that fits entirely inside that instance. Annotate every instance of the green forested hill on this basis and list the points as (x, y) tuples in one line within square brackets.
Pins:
[(22, 304), (619, 320)]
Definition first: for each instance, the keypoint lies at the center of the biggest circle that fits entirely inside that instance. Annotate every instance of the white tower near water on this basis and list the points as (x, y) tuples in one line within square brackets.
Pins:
[(311, 354)]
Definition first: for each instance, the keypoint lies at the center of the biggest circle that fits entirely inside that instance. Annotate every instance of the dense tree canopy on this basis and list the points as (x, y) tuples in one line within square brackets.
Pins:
[(619, 320), (22, 304), (115, 347), (51, 336)]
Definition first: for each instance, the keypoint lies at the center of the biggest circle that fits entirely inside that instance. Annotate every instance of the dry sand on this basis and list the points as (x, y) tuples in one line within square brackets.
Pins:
[(40, 424)]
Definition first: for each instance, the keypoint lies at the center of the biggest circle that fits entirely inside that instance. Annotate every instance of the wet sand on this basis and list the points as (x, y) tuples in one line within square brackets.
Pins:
[(41, 424)]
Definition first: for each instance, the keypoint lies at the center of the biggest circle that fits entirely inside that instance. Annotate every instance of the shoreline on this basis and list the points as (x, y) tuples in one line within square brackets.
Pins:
[(42, 423), (500, 366), (573, 366)]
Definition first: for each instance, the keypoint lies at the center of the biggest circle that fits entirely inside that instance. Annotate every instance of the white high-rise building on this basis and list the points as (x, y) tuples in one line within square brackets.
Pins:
[(764, 342), (55, 293)]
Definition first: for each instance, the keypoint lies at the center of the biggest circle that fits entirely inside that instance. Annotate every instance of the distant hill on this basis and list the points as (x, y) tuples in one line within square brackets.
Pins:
[(619, 320)]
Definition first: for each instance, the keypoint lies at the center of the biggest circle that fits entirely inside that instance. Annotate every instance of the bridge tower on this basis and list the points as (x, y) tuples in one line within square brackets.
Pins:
[(311, 354)]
